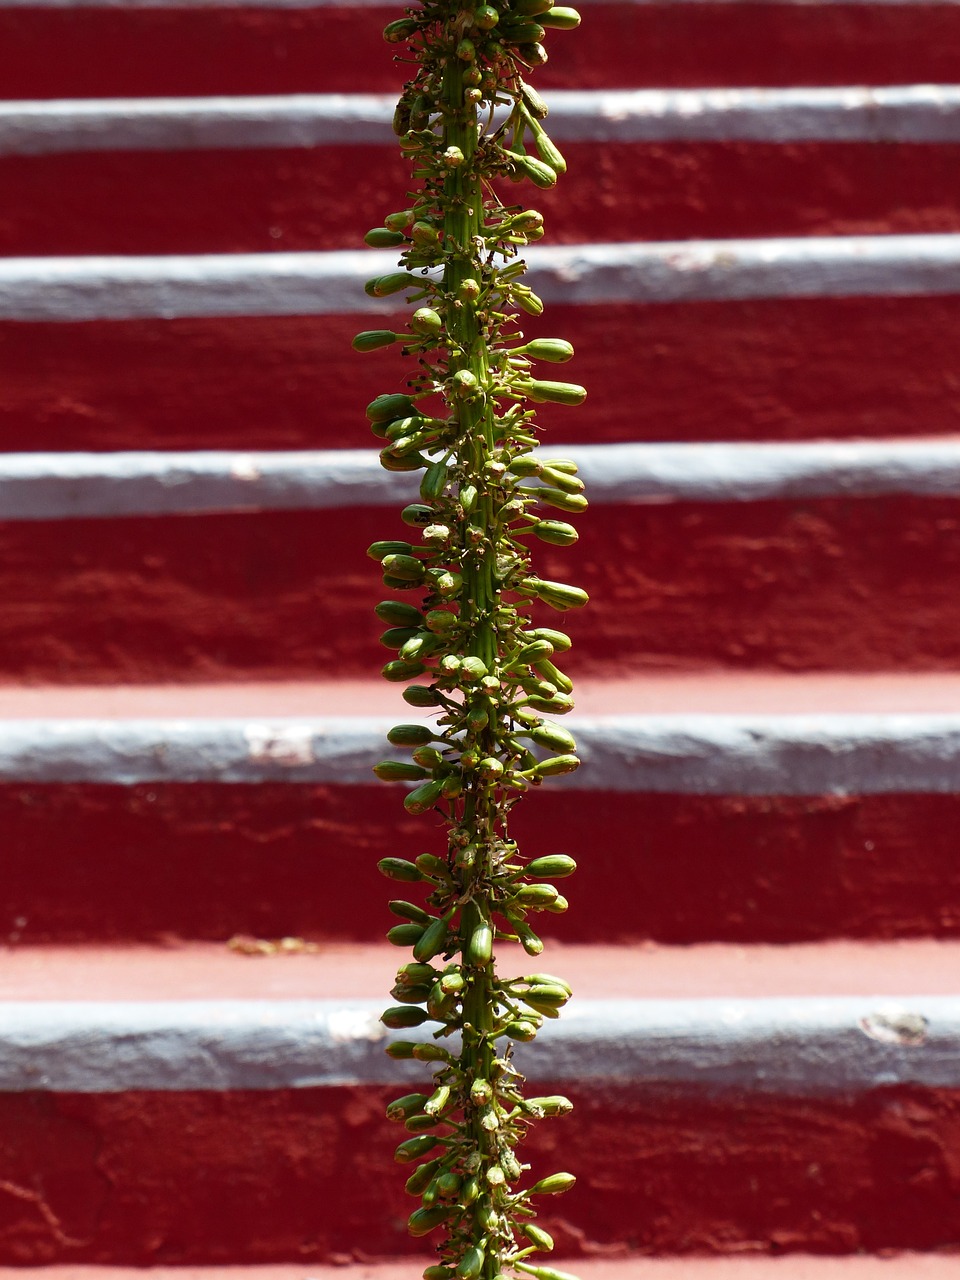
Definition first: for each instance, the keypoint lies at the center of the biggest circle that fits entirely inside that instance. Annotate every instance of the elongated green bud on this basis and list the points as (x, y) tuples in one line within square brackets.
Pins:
[(434, 481), (404, 935), (414, 1148), (553, 1105), (556, 532), (400, 869), (408, 1105), (552, 350), (419, 801), (386, 408), (554, 865), (559, 595), (561, 18), (555, 392), (391, 547), (572, 502), (397, 614), (419, 695), (383, 286), (544, 1273), (410, 735), (542, 176), (398, 671), (403, 1015), (373, 339), (438, 1273), (557, 765), (421, 1178), (479, 949), (471, 1264), (422, 1221), (399, 771), (541, 1239), (432, 941), (384, 238), (553, 1185)]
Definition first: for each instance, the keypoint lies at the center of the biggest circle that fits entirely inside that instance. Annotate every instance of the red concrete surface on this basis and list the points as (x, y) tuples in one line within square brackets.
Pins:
[(205, 971), (258, 201), (765, 369), (52, 53), (820, 584), (86, 862), (167, 1178)]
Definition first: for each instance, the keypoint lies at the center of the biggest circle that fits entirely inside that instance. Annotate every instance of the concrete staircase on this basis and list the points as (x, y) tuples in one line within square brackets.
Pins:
[(757, 256)]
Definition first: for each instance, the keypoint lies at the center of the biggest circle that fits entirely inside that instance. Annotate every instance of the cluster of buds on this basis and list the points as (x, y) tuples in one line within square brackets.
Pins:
[(468, 642)]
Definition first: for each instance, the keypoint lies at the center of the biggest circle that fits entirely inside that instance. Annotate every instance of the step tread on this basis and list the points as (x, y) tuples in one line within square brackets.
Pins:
[(359, 971), (656, 693)]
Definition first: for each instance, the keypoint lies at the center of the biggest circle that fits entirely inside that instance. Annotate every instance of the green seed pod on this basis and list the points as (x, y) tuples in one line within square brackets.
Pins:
[(547, 993), (533, 652), (422, 1221), (405, 568), (410, 735), (540, 1239), (432, 866), (397, 637), (414, 1148), (420, 800), (542, 176), (429, 757), (419, 695), (555, 392), (554, 865), (520, 1030), (472, 669), (383, 238), (557, 765), (400, 1050), (401, 1016), (426, 321), (398, 771), (432, 941), (387, 407), (410, 995), (398, 671), (397, 614), (399, 30), (554, 1105), (421, 1178), (532, 100), (535, 894), (559, 639), (404, 935), (441, 620), (531, 943), (559, 595), (421, 1123), (479, 949), (434, 481), (383, 286), (525, 464), (574, 503), (471, 1264), (561, 19), (380, 551), (552, 673), (399, 869), (373, 339), (448, 1186), (409, 911), (552, 350), (556, 533), (401, 1108), (553, 1185)]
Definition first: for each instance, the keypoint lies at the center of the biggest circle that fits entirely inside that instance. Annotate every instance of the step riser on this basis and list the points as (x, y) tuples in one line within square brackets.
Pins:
[(796, 368), (86, 52), (106, 863), (805, 584), (257, 201), (247, 1177)]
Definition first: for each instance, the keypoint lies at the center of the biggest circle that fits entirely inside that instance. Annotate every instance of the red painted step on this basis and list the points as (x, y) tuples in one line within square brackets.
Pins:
[(50, 52), (249, 1175), (818, 583), (782, 368), (257, 201), (98, 860)]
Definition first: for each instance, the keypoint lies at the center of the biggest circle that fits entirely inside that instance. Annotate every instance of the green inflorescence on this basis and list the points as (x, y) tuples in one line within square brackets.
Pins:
[(467, 643)]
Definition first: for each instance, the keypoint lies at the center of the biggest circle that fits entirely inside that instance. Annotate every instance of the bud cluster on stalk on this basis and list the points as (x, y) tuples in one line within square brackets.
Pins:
[(466, 632)]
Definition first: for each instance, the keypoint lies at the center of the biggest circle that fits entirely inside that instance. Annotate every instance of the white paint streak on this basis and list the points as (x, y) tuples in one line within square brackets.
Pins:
[(910, 113), (59, 486), (802, 1045), (283, 284), (813, 755)]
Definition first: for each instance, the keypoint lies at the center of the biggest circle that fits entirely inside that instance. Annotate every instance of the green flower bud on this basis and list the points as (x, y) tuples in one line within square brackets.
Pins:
[(527, 300), (561, 19), (380, 551), (554, 1105), (398, 671), (399, 30), (553, 1185), (541, 1239), (426, 321), (520, 1030), (384, 286), (408, 1105), (410, 735), (433, 939), (471, 1264), (539, 173), (407, 568), (403, 1015), (531, 99), (438, 1273), (557, 765), (399, 869), (420, 800), (384, 238), (387, 407), (404, 935), (373, 339), (479, 949), (554, 865), (397, 614), (552, 350), (420, 695), (421, 1178), (559, 595), (422, 1221), (486, 17), (434, 481), (555, 392), (409, 911), (556, 532), (399, 771), (400, 1050), (414, 1148)]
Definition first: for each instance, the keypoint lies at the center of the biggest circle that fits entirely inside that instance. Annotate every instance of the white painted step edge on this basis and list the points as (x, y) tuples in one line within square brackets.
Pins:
[(285, 284), (693, 754), (62, 486), (900, 113), (797, 1045)]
